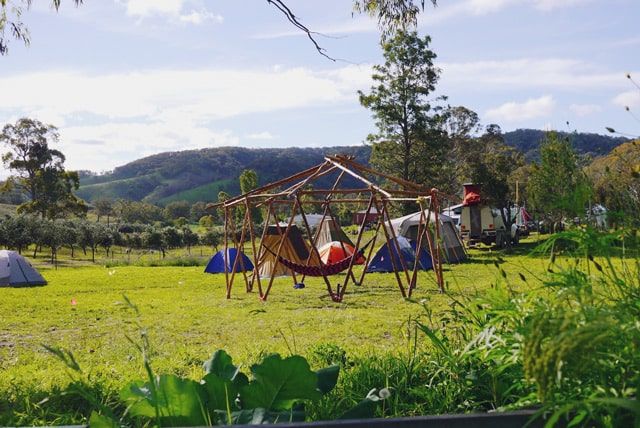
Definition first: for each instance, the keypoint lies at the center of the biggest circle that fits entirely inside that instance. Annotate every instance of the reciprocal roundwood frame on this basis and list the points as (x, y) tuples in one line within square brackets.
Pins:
[(275, 195)]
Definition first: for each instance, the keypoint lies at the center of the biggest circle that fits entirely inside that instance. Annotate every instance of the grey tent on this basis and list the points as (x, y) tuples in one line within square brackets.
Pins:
[(451, 246), (16, 271)]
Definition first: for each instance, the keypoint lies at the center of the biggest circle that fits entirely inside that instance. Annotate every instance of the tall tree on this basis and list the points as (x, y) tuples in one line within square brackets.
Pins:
[(410, 143), (248, 182), (558, 189), (39, 171)]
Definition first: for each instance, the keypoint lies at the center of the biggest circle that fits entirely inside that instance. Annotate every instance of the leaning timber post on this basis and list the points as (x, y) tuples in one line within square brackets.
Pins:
[(327, 211), (240, 246), (252, 236), (314, 250), (421, 234), (437, 266), (228, 223), (283, 238), (393, 241), (257, 255), (372, 202)]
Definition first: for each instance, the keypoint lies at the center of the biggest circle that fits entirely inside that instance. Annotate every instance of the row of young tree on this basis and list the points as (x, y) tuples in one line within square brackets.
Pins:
[(23, 233)]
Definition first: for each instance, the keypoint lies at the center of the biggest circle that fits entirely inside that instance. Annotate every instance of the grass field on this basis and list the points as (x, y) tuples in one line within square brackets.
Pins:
[(185, 315)]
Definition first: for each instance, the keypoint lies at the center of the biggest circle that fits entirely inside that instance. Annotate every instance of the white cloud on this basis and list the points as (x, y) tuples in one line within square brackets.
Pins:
[(265, 135), (199, 17), (107, 120), (530, 109), (528, 73), (103, 147), (172, 9), (145, 8), (548, 5), (627, 99), (585, 109)]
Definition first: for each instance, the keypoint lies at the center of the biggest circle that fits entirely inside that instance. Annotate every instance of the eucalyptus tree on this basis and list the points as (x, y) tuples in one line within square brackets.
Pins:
[(558, 188), (411, 141), (38, 171), (103, 208)]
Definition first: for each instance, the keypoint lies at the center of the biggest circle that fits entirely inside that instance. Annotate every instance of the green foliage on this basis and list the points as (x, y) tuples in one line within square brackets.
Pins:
[(409, 143), (39, 171), (558, 187), (276, 393)]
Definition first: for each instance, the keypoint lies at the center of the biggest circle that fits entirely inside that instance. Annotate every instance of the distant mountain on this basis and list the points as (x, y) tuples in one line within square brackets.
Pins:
[(199, 175), (528, 142)]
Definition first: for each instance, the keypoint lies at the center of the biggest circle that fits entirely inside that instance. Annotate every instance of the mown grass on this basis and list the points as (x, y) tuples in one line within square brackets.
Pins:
[(185, 315)]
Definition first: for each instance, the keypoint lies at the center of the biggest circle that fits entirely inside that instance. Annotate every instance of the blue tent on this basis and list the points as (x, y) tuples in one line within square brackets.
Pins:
[(381, 261), (217, 262)]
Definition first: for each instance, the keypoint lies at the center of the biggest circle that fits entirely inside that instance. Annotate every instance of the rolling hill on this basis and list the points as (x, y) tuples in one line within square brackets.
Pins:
[(199, 175)]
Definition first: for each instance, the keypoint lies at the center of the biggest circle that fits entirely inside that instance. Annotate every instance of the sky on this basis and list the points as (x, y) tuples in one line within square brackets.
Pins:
[(125, 79)]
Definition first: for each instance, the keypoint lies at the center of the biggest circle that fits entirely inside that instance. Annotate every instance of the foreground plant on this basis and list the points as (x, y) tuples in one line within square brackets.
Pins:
[(276, 392)]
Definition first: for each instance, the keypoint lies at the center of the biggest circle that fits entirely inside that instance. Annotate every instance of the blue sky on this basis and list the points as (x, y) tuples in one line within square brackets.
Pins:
[(124, 79)]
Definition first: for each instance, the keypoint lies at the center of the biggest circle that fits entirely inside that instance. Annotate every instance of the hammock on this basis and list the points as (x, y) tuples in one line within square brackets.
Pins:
[(328, 269), (324, 269)]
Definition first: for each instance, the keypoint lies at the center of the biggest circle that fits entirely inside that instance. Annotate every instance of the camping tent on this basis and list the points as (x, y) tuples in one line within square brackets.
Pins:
[(384, 258), (294, 248), (330, 231), (335, 251), (16, 271), (451, 245), (223, 261)]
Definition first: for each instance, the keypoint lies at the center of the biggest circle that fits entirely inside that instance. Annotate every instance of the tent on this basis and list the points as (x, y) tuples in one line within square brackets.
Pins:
[(384, 258), (330, 231), (451, 245), (334, 251), (223, 261), (312, 219), (16, 271), (294, 248)]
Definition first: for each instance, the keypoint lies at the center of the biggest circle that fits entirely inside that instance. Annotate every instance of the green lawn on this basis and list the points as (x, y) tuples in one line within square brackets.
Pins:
[(186, 317)]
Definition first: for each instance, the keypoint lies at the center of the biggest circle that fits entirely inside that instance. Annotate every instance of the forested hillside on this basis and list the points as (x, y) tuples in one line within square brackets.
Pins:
[(199, 175)]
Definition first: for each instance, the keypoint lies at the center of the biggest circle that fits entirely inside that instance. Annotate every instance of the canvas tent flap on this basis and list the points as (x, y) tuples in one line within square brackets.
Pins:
[(224, 260), (16, 271)]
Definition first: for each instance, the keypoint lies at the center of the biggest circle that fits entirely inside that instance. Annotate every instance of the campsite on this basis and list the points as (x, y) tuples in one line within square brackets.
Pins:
[(105, 315), (401, 305)]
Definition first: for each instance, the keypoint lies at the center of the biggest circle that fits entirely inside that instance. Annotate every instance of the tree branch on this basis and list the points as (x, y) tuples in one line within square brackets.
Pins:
[(294, 20)]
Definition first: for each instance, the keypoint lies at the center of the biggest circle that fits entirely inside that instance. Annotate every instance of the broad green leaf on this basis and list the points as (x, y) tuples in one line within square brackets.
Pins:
[(178, 402), (363, 410), (221, 365), (328, 378), (222, 392), (100, 421), (277, 384)]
